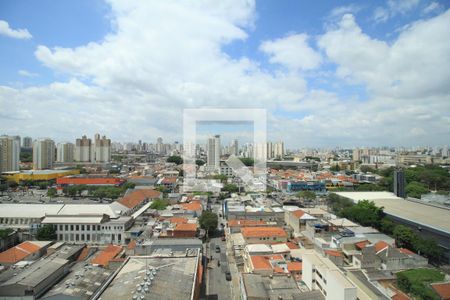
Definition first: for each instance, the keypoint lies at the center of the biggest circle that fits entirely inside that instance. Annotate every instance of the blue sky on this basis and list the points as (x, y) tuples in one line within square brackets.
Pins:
[(330, 73)]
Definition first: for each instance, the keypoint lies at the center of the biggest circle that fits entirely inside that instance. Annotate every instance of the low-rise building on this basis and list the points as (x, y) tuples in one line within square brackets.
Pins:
[(258, 235)]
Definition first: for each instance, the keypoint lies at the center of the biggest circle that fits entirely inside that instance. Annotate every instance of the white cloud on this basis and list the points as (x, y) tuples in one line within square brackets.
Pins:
[(13, 33), (394, 8), (27, 73), (432, 7), (339, 11), (292, 52)]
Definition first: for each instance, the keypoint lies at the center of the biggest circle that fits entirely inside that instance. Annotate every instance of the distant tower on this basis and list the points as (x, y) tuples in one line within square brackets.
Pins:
[(213, 148), (399, 183)]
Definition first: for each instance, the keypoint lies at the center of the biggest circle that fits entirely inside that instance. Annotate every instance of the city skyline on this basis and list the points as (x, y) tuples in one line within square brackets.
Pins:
[(329, 74)]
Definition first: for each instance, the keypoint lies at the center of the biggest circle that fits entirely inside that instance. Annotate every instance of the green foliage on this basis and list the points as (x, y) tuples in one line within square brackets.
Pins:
[(128, 185), (387, 226), (51, 192), (159, 204), (404, 236), (199, 162), (312, 158), (5, 232), (230, 188), (416, 282), (338, 203), (308, 195), (365, 213), (208, 221), (367, 169), (416, 189), (43, 184), (222, 178), (46, 233), (26, 155), (365, 187), (175, 159), (335, 168), (247, 161)]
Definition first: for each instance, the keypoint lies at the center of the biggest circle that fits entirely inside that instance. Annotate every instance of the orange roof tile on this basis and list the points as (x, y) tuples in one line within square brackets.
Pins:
[(245, 223), (400, 296), (169, 180), (361, 245), (135, 197), (192, 206), (443, 289), (298, 213), (263, 232), (292, 245), (131, 245), (186, 227), (177, 220), (106, 255), (380, 246), (84, 253), (333, 253), (295, 266), (262, 262), (405, 251), (18, 253)]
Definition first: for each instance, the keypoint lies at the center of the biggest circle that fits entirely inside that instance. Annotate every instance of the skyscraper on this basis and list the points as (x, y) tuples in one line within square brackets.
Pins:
[(234, 148), (43, 154), (278, 150), (83, 149), (213, 157), (9, 153), (399, 183), (27, 142), (65, 152), (101, 150)]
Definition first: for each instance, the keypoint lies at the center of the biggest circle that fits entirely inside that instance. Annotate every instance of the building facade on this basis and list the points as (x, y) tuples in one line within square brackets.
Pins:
[(9, 154), (65, 152), (43, 154)]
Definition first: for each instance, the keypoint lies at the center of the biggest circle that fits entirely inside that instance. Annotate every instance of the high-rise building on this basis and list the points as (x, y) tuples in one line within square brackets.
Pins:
[(65, 152), (399, 183), (234, 148), (43, 154), (83, 149), (269, 150), (356, 154), (260, 151), (9, 153), (27, 142), (101, 150), (160, 149), (213, 148), (278, 150)]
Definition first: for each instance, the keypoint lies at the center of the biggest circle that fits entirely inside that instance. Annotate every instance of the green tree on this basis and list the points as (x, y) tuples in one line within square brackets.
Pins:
[(46, 233), (387, 226), (159, 204), (128, 185), (247, 161), (307, 195), (417, 282), (404, 236), (335, 168), (230, 188), (51, 192), (199, 162), (338, 203), (222, 178), (367, 169), (175, 159), (365, 213), (416, 189), (208, 221), (5, 232)]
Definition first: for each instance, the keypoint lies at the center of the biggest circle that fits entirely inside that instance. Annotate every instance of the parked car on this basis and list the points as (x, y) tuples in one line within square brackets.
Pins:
[(217, 249)]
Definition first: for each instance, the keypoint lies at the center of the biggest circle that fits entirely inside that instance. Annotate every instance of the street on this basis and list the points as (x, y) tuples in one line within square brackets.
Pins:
[(217, 284)]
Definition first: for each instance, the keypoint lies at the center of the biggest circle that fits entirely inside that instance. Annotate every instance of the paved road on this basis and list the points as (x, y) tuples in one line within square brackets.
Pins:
[(217, 284)]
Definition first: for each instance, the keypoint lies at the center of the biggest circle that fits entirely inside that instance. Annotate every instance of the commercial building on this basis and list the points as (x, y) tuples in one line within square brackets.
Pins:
[(9, 153), (65, 152), (43, 154), (213, 157), (89, 180), (163, 275), (39, 175), (29, 250), (399, 183)]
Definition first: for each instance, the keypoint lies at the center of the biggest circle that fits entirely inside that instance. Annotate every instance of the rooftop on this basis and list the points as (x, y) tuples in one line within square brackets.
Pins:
[(263, 232), (135, 197), (155, 278), (443, 289), (20, 252), (106, 255)]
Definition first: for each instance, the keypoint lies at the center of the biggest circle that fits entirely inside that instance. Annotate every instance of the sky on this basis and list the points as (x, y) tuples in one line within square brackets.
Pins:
[(329, 73)]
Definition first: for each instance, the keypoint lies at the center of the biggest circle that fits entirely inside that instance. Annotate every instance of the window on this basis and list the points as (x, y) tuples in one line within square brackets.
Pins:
[(60, 237), (88, 237), (88, 227), (77, 227), (66, 237), (60, 228), (77, 237), (82, 236), (66, 227), (82, 227), (71, 236), (71, 227)]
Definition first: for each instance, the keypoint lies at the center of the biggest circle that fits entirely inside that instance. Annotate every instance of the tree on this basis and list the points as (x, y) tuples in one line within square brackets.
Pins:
[(365, 213), (4, 233), (199, 162), (247, 161), (404, 236), (175, 159), (222, 178), (415, 189), (159, 204), (230, 188), (307, 195), (367, 169), (387, 226), (335, 168), (208, 221), (128, 185), (51, 192), (46, 233)]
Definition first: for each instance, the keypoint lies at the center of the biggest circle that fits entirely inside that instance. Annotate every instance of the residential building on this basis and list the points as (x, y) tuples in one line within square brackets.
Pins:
[(257, 235), (83, 149), (213, 157), (27, 142), (43, 154), (101, 150), (9, 153), (278, 150), (65, 152)]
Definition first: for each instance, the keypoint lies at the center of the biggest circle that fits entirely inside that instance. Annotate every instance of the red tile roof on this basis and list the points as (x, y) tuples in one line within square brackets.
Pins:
[(106, 255), (186, 227), (405, 251), (18, 253), (135, 197), (380, 246), (334, 253), (192, 206), (169, 180), (298, 213), (131, 245), (177, 220), (400, 296), (292, 245), (294, 266), (84, 253), (361, 245), (263, 232), (443, 289), (262, 262)]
